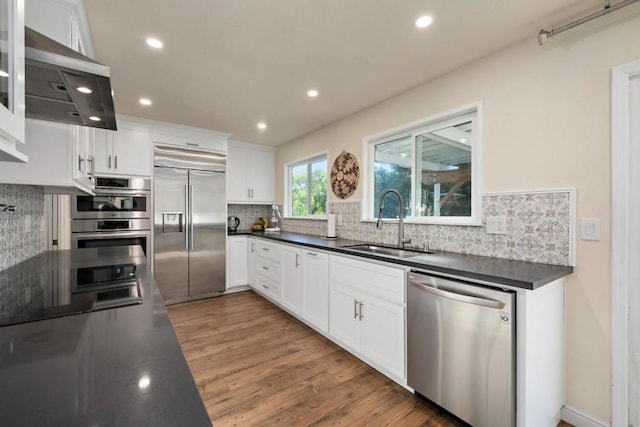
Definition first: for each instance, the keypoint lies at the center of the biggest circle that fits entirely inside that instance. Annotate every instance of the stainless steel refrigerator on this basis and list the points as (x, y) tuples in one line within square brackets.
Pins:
[(190, 221)]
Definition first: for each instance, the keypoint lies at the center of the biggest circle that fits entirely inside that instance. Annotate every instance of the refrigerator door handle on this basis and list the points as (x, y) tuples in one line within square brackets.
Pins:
[(186, 217), (191, 216)]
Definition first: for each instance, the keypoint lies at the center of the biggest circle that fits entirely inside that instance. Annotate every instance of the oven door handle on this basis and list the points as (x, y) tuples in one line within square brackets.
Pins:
[(110, 234)]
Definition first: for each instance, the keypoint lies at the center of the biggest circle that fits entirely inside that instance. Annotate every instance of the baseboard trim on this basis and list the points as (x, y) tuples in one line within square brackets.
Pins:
[(579, 418)]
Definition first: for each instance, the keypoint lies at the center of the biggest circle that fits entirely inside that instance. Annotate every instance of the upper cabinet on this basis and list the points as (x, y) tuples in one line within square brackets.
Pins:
[(12, 132), (126, 151), (250, 173)]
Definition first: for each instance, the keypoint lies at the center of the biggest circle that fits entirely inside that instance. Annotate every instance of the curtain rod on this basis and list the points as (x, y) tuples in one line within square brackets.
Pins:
[(544, 35)]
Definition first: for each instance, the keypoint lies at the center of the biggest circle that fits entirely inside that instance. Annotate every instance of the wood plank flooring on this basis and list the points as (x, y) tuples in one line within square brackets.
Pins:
[(256, 365)]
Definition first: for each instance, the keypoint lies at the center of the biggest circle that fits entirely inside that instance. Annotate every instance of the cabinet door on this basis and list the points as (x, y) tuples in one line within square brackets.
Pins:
[(382, 335), (290, 282), (236, 261), (83, 162), (261, 175), (315, 288), (345, 326), (12, 121), (102, 151), (237, 190), (251, 262), (132, 149)]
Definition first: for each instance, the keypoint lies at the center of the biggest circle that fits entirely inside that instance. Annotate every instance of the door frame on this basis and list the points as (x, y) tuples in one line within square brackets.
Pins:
[(621, 244)]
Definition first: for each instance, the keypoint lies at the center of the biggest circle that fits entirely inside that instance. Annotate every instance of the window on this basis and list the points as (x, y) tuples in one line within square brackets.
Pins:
[(433, 164), (307, 187)]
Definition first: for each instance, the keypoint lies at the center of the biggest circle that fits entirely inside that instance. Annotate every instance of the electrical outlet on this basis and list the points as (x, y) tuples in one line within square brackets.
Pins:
[(497, 225)]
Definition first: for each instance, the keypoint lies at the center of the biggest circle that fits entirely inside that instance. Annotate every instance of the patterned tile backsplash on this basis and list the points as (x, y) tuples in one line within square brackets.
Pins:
[(248, 214), (538, 228), (23, 232)]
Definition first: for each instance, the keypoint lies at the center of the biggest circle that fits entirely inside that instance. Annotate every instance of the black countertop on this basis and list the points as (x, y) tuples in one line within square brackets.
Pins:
[(518, 274), (121, 366)]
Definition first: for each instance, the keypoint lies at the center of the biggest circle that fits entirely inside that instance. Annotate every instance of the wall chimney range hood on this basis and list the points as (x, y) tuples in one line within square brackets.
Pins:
[(62, 85)]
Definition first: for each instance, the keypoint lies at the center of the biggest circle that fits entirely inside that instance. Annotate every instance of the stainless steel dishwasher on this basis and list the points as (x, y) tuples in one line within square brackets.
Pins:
[(461, 348)]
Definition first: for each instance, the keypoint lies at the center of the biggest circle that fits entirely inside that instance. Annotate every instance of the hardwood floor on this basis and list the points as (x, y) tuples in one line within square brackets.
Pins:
[(256, 365)]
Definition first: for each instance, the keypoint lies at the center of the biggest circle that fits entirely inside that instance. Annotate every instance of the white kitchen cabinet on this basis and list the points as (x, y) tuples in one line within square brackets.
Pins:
[(53, 151), (126, 151), (236, 261), (251, 261), (250, 173), (369, 325), (188, 137), (290, 283), (315, 288), (12, 121)]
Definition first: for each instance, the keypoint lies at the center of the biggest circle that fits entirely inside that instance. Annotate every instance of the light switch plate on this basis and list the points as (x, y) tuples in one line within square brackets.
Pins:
[(497, 225), (590, 229)]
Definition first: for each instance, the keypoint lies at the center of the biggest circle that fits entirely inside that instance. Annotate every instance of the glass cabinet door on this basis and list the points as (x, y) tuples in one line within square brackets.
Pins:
[(11, 72)]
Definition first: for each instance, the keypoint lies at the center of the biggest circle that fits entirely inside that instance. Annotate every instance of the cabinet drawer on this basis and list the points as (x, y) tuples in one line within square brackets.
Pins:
[(268, 250), (268, 269), (369, 278), (268, 287)]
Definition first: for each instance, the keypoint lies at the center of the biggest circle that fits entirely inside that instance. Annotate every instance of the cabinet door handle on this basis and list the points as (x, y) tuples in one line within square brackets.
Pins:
[(360, 310), (109, 162), (92, 171), (265, 249), (248, 193), (252, 193), (265, 286), (80, 160), (193, 144), (355, 309), (115, 161), (297, 260), (253, 247), (312, 253)]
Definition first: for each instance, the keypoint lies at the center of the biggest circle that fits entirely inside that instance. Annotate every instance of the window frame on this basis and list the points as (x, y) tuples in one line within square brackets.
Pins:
[(287, 185), (468, 112)]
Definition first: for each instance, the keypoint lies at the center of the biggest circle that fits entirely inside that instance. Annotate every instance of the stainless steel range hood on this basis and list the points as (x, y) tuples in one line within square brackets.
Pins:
[(54, 73)]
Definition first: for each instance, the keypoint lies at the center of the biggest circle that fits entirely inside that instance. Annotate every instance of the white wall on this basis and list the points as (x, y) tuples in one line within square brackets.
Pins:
[(546, 125)]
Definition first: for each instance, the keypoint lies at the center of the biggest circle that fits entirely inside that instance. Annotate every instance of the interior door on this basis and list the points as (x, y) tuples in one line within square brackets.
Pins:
[(208, 232), (171, 256)]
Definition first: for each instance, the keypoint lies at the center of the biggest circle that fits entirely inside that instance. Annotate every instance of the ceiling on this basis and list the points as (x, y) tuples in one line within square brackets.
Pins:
[(228, 64)]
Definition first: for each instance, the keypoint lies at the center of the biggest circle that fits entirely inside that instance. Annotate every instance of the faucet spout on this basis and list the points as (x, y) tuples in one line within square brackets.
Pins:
[(401, 239)]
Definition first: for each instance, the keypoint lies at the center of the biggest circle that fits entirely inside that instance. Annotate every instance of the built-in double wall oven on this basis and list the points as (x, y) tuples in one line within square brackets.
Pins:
[(119, 214)]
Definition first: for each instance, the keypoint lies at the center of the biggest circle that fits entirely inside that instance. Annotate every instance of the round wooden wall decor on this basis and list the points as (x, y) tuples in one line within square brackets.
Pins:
[(345, 175)]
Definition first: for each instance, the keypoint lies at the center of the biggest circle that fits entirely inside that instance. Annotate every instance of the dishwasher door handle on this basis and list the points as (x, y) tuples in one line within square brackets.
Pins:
[(485, 302)]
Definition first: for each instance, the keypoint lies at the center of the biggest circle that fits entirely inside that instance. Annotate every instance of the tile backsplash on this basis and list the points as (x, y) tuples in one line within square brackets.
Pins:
[(23, 232), (248, 214), (538, 228)]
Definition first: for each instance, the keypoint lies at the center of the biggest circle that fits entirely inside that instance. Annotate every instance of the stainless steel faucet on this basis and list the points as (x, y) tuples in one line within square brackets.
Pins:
[(401, 239)]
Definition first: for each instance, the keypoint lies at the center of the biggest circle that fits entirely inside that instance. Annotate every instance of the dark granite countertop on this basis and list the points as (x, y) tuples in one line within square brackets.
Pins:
[(122, 366), (518, 274)]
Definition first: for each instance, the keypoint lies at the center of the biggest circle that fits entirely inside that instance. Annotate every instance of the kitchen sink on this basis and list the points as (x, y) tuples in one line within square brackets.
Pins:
[(388, 251)]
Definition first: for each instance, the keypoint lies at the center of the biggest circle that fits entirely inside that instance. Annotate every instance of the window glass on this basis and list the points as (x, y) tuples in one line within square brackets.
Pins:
[(308, 187), (5, 58), (392, 170), (443, 165)]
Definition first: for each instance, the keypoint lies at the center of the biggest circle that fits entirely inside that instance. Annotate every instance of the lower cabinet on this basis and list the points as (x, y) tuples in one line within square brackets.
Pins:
[(236, 261), (370, 326), (291, 279), (315, 288)]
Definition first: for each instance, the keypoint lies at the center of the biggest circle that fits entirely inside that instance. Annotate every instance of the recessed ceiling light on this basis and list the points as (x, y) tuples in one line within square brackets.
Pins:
[(144, 101), (84, 89), (3, 73), (95, 118), (262, 125), (312, 93), (424, 21), (463, 139), (154, 43)]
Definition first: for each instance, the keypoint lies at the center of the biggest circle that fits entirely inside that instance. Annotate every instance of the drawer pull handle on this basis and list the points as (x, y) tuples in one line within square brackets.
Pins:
[(265, 286), (265, 268), (265, 249), (312, 253)]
